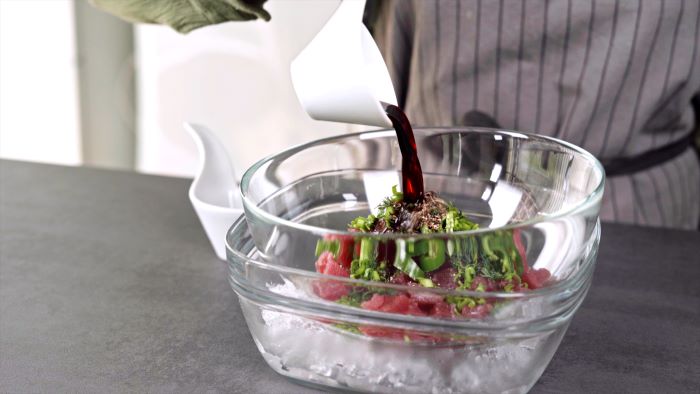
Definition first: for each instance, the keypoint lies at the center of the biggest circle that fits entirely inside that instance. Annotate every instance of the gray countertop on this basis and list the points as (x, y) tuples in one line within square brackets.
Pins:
[(108, 284)]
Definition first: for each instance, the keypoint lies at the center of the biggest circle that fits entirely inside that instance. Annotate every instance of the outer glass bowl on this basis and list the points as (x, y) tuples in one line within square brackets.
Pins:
[(537, 195)]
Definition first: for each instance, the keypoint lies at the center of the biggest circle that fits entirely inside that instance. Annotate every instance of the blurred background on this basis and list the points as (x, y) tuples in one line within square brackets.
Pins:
[(115, 95)]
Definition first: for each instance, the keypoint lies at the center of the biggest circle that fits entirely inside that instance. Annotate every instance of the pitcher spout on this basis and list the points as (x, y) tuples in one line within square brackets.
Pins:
[(214, 192)]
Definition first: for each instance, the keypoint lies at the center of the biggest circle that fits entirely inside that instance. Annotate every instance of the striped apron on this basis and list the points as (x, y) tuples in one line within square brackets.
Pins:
[(614, 77)]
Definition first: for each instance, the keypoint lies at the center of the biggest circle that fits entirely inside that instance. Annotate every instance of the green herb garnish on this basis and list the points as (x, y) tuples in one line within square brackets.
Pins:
[(363, 224), (455, 221), (366, 265)]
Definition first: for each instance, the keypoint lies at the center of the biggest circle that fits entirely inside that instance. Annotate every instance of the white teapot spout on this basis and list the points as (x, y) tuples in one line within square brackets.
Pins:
[(214, 192)]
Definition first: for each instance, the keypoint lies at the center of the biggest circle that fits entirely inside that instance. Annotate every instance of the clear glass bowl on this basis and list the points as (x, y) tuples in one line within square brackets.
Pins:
[(541, 193)]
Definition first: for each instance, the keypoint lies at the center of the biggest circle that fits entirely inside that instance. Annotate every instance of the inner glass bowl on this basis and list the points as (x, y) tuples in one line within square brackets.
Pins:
[(548, 190)]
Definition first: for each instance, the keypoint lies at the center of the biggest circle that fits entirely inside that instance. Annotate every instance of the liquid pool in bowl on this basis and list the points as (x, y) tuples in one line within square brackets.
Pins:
[(546, 190)]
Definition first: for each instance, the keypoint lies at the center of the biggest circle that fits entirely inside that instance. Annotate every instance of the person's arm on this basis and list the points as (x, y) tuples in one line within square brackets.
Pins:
[(184, 15)]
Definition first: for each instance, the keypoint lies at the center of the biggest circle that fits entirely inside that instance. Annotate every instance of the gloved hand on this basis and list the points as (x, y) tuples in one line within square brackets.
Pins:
[(184, 15)]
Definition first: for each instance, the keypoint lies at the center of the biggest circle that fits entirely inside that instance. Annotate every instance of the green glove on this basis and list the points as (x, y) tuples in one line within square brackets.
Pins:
[(184, 15)]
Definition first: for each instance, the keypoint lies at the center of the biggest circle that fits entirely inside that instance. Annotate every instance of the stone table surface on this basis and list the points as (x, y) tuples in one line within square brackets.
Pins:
[(108, 284)]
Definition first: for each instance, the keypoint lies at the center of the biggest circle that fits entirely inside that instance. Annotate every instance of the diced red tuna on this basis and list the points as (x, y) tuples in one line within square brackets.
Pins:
[(442, 309), (396, 304), (425, 297), (326, 264), (429, 304), (520, 245), (388, 303), (417, 304), (536, 278), (346, 249), (329, 289), (399, 334), (444, 277), (399, 278), (415, 309), (374, 303), (382, 332)]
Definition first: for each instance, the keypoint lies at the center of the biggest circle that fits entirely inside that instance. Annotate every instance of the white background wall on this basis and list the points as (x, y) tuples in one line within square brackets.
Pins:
[(39, 118)]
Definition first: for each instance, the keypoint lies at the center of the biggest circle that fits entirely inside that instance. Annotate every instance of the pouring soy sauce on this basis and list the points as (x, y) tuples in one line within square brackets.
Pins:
[(412, 174)]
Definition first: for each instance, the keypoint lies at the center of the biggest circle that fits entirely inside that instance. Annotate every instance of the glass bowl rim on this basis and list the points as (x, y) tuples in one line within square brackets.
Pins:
[(586, 202)]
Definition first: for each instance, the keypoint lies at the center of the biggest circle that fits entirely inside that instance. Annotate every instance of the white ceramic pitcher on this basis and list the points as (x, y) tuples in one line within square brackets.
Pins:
[(214, 192), (341, 76)]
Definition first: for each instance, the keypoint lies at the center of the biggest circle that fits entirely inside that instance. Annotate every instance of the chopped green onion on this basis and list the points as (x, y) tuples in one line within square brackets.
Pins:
[(396, 195), (434, 256), (460, 302), (455, 221), (469, 273), (404, 263), (450, 247), (386, 215), (368, 249), (363, 224), (332, 246)]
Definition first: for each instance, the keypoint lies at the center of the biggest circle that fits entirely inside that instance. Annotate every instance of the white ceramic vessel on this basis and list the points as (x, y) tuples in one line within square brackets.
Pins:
[(214, 192), (341, 76)]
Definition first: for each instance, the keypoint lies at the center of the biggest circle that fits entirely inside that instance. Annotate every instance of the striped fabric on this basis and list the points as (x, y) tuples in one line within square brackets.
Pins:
[(614, 77)]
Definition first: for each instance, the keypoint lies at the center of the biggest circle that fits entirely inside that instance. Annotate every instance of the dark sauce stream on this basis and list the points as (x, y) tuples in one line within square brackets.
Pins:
[(412, 174)]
